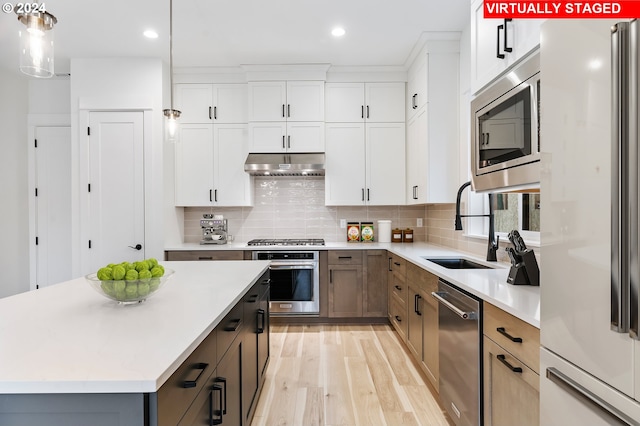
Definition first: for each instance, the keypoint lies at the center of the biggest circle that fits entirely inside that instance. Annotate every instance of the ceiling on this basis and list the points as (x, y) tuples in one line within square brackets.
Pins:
[(237, 32)]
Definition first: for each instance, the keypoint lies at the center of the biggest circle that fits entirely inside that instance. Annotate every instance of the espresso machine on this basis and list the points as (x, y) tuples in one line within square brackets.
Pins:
[(214, 229)]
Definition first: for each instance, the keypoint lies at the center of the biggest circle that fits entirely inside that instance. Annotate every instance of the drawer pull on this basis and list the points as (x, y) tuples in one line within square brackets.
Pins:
[(502, 331), (396, 263), (503, 360), (231, 327), (266, 282), (223, 380), (212, 411), (398, 318), (253, 298), (260, 328), (344, 257), (398, 287), (193, 383), (205, 258)]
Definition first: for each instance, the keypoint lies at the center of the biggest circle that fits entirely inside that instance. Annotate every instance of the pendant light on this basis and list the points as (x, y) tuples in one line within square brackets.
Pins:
[(172, 130), (36, 40)]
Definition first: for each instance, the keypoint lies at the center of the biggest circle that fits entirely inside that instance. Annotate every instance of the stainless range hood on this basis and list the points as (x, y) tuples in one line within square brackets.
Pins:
[(305, 164)]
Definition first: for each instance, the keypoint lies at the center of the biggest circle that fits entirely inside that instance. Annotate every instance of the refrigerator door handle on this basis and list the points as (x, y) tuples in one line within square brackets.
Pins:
[(619, 181), (634, 180), (566, 382)]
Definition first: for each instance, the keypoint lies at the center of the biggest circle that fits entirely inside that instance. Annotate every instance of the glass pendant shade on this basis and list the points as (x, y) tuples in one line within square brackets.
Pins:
[(171, 125), (36, 44)]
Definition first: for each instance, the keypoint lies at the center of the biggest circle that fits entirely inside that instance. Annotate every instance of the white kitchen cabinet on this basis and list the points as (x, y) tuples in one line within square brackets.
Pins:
[(433, 135), (212, 103), (209, 166), (488, 44), (365, 164), (286, 137), (417, 85), (365, 102), (285, 101)]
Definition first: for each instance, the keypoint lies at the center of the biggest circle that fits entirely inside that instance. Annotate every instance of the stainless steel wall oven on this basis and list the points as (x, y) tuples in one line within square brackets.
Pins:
[(295, 281)]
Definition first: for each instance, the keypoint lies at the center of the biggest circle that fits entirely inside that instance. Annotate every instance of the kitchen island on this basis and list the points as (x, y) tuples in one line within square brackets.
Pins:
[(72, 357)]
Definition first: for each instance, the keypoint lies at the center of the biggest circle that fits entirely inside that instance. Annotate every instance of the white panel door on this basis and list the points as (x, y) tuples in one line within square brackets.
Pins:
[(194, 101), (344, 102), (53, 205), (485, 65), (116, 199), (267, 100), (385, 166), (344, 164), (417, 158), (194, 165), (305, 101), (305, 137), (230, 103), (384, 102), (575, 282), (268, 137), (233, 186)]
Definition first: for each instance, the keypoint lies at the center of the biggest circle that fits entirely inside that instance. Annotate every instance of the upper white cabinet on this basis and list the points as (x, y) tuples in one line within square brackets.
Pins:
[(286, 137), (365, 164), (211, 103), (209, 163), (433, 132), (496, 44), (365, 102), (417, 85), (286, 101)]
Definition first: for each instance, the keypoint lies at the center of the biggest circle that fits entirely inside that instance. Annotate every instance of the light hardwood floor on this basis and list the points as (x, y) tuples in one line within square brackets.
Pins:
[(343, 375)]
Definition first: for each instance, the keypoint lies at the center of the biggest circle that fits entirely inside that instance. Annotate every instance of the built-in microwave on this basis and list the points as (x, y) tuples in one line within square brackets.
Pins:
[(505, 130)]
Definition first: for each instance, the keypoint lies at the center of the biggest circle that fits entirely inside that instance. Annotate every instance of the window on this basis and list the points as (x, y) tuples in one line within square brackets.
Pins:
[(511, 211)]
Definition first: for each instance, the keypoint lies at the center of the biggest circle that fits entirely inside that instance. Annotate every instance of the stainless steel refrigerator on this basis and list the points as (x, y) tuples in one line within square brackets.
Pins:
[(590, 271)]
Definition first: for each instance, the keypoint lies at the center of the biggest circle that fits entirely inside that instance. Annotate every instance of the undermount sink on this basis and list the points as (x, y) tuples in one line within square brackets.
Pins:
[(457, 263)]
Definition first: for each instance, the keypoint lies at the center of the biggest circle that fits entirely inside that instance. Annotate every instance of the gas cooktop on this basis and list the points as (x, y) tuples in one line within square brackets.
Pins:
[(287, 242)]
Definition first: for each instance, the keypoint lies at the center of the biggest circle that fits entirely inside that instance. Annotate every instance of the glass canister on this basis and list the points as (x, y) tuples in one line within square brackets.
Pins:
[(407, 235)]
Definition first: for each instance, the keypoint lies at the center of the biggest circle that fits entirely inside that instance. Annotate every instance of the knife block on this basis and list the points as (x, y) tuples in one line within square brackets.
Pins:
[(526, 270)]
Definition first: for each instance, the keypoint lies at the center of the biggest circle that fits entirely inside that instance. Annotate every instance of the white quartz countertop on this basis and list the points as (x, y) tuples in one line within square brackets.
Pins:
[(490, 285), (69, 339)]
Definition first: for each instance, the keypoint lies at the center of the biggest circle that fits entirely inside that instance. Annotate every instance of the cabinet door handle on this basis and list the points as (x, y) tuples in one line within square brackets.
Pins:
[(205, 258), (503, 360), (209, 113), (223, 380), (367, 111), (331, 275), (414, 103), (260, 328), (390, 270), (212, 411), (506, 49), (288, 141), (487, 139), (502, 331), (398, 318), (498, 54), (362, 194), (416, 298), (215, 112), (344, 257), (367, 194), (289, 106), (211, 195), (398, 287), (230, 327), (282, 110), (215, 195), (193, 383), (283, 145), (361, 111)]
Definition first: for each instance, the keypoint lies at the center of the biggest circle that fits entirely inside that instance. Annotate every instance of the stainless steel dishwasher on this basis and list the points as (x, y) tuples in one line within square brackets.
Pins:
[(459, 334)]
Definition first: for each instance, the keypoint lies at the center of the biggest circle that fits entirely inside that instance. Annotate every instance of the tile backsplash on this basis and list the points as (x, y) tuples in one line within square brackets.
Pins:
[(294, 208)]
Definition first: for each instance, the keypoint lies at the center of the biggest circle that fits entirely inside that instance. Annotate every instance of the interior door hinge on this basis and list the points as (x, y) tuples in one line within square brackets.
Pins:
[(88, 131), (89, 243)]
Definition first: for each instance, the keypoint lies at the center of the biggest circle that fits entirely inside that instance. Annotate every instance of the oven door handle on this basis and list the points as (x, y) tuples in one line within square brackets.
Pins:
[(301, 265)]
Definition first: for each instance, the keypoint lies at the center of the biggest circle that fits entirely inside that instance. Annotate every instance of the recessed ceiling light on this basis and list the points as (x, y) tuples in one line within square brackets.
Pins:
[(150, 34), (338, 32)]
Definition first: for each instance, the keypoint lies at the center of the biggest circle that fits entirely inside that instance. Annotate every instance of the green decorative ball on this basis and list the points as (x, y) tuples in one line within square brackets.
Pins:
[(157, 271), (119, 286), (143, 289), (107, 287), (105, 274), (131, 290), (154, 283), (152, 262), (144, 275), (131, 275), (118, 272), (142, 266)]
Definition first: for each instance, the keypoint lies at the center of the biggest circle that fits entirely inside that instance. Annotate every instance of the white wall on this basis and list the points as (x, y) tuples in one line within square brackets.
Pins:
[(120, 84), (14, 227)]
